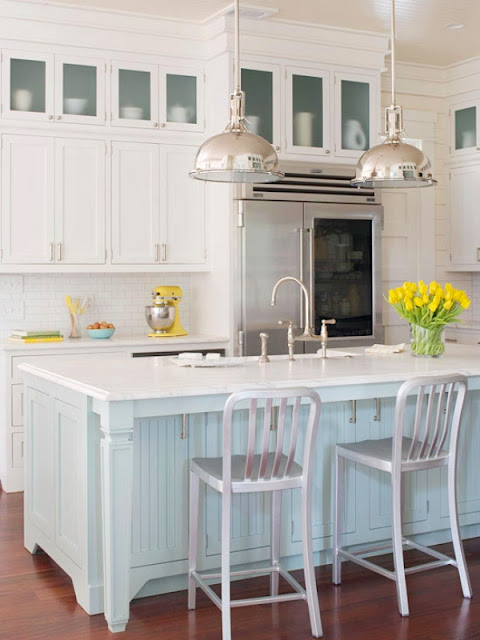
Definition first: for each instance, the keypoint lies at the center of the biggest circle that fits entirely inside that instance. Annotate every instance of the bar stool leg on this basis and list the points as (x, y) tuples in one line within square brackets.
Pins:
[(398, 546), (338, 518), (456, 537), (226, 609), (275, 549), (308, 567), (193, 538)]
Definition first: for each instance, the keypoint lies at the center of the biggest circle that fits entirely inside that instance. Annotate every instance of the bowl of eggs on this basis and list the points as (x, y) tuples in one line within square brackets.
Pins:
[(100, 330)]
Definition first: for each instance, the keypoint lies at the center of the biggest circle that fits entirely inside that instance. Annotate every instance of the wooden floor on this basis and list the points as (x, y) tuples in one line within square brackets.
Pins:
[(37, 602)]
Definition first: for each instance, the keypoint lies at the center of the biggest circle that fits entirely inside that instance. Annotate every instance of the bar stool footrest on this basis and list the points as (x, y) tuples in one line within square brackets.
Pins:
[(285, 597), (359, 557)]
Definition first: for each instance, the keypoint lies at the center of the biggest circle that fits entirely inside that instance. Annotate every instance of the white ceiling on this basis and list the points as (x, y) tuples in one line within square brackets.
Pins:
[(421, 33)]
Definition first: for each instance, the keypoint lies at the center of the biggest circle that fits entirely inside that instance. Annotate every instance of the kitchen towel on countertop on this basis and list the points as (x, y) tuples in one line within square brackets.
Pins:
[(386, 348)]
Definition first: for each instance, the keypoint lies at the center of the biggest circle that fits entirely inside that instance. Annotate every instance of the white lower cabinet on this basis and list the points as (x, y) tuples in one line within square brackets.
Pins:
[(28, 199), (158, 211), (464, 218)]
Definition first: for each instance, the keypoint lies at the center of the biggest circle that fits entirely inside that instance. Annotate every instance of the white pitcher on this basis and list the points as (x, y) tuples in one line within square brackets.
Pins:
[(353, 135)]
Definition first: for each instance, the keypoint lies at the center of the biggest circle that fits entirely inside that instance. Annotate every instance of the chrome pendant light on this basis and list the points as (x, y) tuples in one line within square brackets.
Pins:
[(236, 155), (394, 163)]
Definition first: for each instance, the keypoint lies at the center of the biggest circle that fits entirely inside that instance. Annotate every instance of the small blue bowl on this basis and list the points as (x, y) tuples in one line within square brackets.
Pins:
[(100, 334)]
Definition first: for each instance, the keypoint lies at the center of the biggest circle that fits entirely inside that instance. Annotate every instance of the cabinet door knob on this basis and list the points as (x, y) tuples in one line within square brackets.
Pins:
[(155, 124), (162, 125), (59, 117), (277, 148), (50, 117), (327, 151)]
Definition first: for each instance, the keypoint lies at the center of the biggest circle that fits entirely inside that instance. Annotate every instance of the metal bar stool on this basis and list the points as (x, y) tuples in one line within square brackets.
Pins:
[(433, 443), (272, 471)]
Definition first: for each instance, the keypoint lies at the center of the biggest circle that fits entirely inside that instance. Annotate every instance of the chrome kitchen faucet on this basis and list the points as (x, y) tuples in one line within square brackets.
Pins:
[(308, 333)]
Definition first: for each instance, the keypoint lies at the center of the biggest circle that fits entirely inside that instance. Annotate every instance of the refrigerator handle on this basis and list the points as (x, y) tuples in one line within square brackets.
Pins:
[(301, 235), (311, 275)]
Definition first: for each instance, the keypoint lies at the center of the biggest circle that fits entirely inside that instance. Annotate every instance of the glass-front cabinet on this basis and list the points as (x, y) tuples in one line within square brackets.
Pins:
[(134, 95), (28, 85), (464, 123), (79, 90), (355, 114), (261, 85), (146, 95), (181, 100), (308, 111)]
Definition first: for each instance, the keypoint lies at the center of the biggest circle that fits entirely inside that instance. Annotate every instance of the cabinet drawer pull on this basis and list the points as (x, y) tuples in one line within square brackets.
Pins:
[(50, 251), (164, 252), (451, 340), (478, 254), (377, 416), (59, 251), (156, 247)]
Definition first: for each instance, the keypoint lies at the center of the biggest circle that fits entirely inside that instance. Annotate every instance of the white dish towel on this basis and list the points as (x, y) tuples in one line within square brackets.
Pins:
[(386, 348)]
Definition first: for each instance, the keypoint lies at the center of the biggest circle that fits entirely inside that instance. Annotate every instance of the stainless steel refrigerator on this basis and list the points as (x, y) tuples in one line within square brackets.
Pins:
[(315, 226)]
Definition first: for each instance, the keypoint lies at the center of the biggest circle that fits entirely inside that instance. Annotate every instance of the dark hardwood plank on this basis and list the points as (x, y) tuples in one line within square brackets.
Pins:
[(37, 602)]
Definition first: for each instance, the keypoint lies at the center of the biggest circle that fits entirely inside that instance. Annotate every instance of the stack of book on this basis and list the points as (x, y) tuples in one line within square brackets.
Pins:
[(22, 335)]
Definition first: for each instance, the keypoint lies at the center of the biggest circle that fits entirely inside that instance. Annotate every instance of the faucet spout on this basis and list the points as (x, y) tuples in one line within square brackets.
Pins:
[(308, 329)]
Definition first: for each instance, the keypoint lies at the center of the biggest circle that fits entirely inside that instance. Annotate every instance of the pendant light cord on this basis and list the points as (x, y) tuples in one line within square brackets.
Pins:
[(237, 47), (393, 53)]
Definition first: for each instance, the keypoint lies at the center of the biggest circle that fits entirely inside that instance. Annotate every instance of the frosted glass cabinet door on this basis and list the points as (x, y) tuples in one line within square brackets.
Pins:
[(355, 114), (308, 109), (464, 120), (27, 86), (464, 219), (79, 90), (134, 95), (181, 100), (27, 213), (262, 100)]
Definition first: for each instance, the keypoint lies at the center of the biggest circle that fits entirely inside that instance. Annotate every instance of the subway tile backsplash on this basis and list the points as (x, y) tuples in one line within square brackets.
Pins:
[(37, 301)]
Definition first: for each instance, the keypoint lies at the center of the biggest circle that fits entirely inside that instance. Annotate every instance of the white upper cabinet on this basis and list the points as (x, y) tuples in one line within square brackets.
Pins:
[(308, 111), (465, 128), (79, 90), (27, 199), (147, 95), (158, 211), (80, 201), (27, 85), (261, 85), (355, 114), (183, 208), (464, 218), (134, 95), (135, 203)]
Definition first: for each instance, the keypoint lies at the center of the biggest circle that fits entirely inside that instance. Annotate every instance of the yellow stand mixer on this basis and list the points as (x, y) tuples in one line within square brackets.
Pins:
[(163, 316)]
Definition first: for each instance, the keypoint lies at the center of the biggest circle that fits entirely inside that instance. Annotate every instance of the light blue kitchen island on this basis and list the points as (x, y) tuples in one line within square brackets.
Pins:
[(107, 445)]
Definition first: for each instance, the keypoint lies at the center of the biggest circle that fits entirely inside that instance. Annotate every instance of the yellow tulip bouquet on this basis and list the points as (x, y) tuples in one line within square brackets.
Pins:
[(428, 309)]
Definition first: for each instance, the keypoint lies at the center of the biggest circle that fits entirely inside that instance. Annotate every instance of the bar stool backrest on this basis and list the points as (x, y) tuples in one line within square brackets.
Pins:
[(438, 413), (288, 402)]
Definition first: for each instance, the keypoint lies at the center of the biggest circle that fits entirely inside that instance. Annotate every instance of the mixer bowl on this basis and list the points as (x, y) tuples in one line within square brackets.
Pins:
[(160, 317)]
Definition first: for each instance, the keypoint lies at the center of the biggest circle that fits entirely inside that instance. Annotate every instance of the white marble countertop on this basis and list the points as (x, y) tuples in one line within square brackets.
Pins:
[(150, 378), (115, 342)]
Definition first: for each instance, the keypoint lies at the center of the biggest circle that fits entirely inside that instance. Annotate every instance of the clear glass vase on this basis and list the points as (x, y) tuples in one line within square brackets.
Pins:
[(74, 325), (427, 343)]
